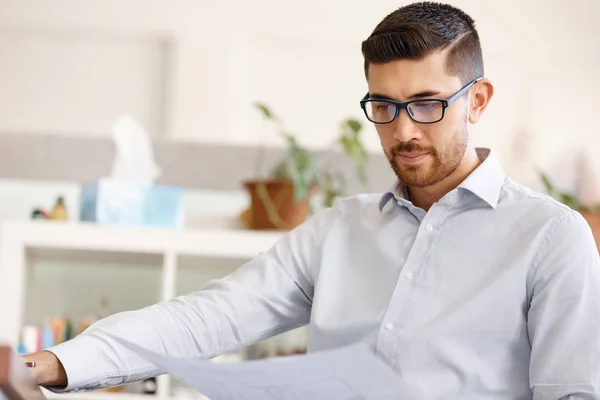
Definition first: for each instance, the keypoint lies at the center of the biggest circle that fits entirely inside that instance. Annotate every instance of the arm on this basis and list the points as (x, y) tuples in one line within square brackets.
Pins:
[(564, 314), (267, 296)]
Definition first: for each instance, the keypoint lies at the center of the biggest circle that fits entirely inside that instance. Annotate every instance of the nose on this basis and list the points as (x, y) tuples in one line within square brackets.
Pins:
[(405, 129)]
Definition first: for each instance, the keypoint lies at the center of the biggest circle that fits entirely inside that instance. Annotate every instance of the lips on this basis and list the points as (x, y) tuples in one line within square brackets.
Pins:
[(411, 155), (411, 158)]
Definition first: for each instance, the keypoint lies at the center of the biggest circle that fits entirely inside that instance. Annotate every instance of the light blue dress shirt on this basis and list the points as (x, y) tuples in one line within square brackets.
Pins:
[(494, 293)]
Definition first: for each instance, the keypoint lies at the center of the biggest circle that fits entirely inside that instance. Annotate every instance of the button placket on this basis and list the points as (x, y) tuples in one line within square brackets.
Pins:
[(398, 308)]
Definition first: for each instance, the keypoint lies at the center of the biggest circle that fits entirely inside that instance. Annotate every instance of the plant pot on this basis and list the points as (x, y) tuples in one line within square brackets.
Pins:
[(593, 218), (272, 205)]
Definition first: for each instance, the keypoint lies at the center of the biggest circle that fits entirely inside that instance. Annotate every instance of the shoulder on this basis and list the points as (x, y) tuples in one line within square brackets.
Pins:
[(564, 243), (359, 206), (565, 233), (538, 210), (515, 194), (553, 224), (349, 211), (364, 201)]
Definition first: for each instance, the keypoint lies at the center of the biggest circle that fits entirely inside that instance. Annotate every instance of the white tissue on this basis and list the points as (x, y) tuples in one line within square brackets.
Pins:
[(134, 160)]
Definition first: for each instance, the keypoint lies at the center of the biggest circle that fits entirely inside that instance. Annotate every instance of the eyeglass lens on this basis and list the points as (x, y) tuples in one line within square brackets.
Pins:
[(383, 112)]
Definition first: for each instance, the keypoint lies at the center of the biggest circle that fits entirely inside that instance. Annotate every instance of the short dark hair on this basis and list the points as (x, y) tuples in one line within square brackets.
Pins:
[(419, 29)]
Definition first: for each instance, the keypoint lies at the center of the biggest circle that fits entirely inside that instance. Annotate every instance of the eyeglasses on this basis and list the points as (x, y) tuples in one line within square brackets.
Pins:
[(422, 111)]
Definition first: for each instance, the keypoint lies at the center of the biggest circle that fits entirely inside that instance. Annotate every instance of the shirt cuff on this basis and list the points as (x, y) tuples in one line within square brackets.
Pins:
[(81, 361)]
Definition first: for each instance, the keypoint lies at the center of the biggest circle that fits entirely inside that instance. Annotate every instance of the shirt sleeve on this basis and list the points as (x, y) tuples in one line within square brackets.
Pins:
[(269, 295), (564, 313)]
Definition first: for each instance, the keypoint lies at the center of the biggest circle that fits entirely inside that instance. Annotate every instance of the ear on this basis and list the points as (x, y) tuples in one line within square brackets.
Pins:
[(480, 95)]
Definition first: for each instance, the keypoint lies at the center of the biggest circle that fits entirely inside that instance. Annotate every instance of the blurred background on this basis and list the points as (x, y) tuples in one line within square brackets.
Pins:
[(129, 133)]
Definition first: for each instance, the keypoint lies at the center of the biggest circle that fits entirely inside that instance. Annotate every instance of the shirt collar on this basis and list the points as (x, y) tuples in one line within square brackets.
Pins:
[(485, 182), (398, 191), (487, 179)]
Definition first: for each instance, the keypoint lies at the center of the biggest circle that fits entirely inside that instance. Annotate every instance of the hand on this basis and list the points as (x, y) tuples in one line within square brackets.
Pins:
[(48, 370)]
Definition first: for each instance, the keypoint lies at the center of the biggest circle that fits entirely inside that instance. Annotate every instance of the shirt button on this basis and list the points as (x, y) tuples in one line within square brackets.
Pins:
[(408, 275), (389, 326), (429, 228)]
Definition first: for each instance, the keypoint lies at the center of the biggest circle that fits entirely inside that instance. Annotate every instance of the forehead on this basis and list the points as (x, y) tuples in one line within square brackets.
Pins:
[(401, 79)]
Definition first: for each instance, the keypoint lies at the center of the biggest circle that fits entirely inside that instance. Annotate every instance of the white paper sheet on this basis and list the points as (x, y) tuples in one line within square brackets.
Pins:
[(348, 373)]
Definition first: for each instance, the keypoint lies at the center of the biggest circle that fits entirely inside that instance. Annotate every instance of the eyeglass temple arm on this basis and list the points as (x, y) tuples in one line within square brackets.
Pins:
[(462, 91)]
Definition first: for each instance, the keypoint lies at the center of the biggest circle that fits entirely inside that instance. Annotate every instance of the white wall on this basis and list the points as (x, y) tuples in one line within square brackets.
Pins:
[(189, 65), (58, 83)]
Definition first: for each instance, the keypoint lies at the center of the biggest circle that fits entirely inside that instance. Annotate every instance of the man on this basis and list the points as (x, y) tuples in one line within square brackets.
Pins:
[(469, 285)]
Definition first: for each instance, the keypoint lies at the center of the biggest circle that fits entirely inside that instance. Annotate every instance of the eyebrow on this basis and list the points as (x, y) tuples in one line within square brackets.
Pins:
[(420, 95)]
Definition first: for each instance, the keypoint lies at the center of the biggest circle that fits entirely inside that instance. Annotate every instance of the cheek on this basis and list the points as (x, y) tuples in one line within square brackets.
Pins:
[(456, 117), (386, 135), (433, 136), (442, 135)]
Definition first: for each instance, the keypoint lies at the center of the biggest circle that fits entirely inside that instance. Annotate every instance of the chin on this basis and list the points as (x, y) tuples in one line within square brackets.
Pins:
[(415, 177)]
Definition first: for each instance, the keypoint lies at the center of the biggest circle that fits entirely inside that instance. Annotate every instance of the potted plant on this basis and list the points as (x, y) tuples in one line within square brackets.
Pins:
[(282, 200), (590, 213)]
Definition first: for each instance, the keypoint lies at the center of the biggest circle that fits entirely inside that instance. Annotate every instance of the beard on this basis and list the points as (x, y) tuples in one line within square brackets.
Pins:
[(428, 173)]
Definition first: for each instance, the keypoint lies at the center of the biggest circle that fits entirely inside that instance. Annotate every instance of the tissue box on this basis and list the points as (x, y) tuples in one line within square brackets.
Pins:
[(111, 202)]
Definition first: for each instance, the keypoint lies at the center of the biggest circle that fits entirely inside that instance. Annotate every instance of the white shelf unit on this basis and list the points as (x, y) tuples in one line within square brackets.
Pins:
[(101, 396), (173, 254), (121, 396)]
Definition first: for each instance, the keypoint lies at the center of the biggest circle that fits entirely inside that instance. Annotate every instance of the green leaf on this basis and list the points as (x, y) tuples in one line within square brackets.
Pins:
[(547, 183), (266, 111), (290, 139), (332, 186), (356, 152), (569, 200), (299, 165), (280, 170), (354, 125)]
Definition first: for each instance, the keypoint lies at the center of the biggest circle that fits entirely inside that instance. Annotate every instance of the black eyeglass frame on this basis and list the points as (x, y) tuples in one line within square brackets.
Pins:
[(404, 105)]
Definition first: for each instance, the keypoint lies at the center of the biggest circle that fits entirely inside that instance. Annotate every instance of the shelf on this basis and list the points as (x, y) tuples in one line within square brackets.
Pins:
[(232, 243), (78, 269), (73, 256), (186, 394), (101, 396), (84, 289)]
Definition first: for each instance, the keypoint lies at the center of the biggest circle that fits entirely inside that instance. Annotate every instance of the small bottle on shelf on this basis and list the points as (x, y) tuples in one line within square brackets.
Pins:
[(59, 212)]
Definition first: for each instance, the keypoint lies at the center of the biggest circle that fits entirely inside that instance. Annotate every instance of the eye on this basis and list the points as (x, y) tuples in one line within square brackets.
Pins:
[(425, 106)]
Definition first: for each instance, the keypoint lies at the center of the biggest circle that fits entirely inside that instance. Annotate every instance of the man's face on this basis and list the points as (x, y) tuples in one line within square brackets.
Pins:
[(421, 154)]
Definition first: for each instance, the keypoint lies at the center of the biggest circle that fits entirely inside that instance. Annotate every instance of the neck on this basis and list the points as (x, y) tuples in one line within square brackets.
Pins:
[(425, 197)]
